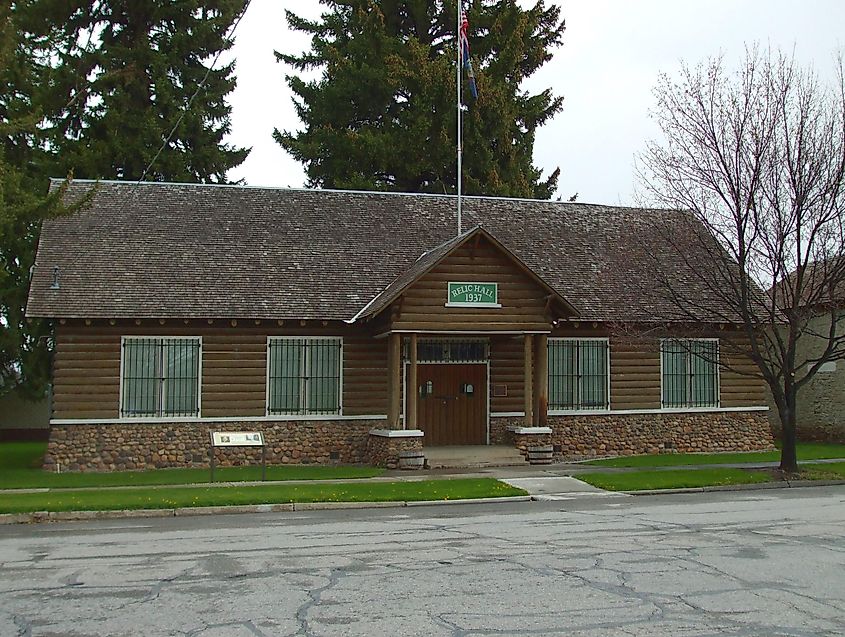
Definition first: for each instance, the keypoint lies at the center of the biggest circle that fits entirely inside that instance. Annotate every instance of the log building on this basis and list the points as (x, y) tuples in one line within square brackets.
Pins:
[(350, 326)]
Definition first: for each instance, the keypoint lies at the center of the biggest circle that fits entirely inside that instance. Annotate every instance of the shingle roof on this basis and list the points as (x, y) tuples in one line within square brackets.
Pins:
[(196, 251)]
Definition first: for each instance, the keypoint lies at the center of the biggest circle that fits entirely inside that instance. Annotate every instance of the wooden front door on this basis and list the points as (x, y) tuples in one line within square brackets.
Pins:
[(452, 403)]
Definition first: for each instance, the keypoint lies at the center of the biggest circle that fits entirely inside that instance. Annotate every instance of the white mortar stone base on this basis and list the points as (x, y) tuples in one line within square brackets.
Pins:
[(528, 431), (397, 433)]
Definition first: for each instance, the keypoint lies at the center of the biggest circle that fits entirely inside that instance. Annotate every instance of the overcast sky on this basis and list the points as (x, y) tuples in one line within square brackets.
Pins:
[(612, 53)]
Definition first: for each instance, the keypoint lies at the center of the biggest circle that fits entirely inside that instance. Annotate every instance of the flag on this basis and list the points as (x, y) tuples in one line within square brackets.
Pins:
[(464, 43)]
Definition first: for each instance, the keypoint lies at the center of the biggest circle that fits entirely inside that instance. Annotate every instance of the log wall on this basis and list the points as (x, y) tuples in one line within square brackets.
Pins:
[(86, 368)]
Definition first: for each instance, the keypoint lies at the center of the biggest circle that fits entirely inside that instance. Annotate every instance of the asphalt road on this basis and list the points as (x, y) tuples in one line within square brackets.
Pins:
[(740, 563)]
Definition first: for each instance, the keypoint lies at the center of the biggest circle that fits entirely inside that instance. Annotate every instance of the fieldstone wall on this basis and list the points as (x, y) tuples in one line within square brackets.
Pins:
[(120, 446), (383, 451), (590, 436), (523, 442), (633, 434), (499, 433)]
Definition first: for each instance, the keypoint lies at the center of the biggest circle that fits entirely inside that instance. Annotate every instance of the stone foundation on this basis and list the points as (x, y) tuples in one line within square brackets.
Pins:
[(523, 442), (120, 446), (383, 451), (589, 436), (634, 434), (499, 433)]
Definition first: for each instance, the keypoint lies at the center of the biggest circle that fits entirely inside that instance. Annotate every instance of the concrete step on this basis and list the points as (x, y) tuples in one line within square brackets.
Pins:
[(472, 456)]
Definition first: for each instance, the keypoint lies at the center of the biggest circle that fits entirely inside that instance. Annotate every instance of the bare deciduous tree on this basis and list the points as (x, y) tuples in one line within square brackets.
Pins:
[(757, 158)]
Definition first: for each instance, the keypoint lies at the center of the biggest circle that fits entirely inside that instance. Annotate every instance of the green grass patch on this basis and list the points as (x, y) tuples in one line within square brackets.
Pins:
[(172, 497), (21, 455), (679, 479), (20, 468), (806, 451), (826, 471)]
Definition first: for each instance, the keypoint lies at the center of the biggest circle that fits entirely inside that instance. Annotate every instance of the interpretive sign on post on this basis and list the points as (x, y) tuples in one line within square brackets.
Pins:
[(238, 439)]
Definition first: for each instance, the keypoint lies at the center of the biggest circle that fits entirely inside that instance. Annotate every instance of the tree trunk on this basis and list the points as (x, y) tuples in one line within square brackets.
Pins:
[(788, 457)]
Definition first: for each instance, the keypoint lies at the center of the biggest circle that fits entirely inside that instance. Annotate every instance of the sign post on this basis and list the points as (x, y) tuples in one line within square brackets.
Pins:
[(239, 439)]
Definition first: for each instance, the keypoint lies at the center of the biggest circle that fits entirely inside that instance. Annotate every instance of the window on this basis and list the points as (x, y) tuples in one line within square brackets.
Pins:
[(690, 373), (578, 374), (160, 377), (304, 376), (450, 351)]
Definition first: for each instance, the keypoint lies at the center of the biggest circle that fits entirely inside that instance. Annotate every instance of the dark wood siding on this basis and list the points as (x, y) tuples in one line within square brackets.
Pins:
[(507, 371), (86, 374), (634, 375), (234, 374), (634, 366), (87, 368), (738, 387), (234, 366), (364, 376), (523, 300)]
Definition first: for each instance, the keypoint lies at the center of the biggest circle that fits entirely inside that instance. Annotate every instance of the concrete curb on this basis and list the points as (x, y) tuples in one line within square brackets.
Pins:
[(760, 486), (71, 516), (510, 498)]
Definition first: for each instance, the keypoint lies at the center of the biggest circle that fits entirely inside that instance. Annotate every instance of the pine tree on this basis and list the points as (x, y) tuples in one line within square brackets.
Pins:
[(126, 74), (382, 114), (93, 88), (24, 364)]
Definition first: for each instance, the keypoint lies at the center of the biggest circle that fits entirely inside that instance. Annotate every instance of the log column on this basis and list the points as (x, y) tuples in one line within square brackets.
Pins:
[(541, 380), (394, 387), (411, 389), (528, 377)]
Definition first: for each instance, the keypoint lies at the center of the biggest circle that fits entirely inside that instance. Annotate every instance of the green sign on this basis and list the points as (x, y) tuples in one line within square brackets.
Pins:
[(466, 294)]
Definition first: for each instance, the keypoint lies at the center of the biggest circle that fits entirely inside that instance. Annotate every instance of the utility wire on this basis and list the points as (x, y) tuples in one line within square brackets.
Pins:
[(229, 35), (200, 86)]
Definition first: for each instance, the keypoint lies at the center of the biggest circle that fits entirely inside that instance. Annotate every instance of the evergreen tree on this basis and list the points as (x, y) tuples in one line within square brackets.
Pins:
[(93, 88), (24, 364), (127, 72), (382, 114)]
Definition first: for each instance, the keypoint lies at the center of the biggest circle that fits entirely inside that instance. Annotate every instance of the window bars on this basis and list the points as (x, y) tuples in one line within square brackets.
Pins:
[(690, 373), (304, 376), (578, 374), (450, 351), (160, 377)]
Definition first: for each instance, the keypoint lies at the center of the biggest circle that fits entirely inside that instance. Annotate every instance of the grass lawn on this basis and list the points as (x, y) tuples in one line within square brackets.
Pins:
[(685, 478), (806, 451), (20, 467), (831, 471), (172, 497), (682, 478)]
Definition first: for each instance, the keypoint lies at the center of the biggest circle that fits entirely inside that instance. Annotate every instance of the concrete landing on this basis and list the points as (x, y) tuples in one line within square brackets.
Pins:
[(473, 456)]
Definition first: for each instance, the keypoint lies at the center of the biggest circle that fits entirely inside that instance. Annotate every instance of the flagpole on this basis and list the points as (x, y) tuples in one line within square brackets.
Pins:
[(458, 101)]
